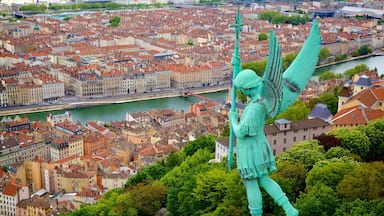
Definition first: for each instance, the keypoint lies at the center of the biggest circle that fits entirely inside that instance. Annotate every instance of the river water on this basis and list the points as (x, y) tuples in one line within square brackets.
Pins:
[(116, 112)]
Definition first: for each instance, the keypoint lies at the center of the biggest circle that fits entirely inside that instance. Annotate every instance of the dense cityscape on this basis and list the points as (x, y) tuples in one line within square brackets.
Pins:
[(49, 60)]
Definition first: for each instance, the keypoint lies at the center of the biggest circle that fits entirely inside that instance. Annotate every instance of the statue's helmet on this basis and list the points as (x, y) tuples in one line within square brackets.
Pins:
[(246, 79)]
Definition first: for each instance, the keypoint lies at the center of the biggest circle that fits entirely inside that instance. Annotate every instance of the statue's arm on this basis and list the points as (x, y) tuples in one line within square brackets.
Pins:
[(235, 125)]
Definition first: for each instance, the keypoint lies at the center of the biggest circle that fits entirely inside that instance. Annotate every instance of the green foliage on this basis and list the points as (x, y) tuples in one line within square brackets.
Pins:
[(242, 97), (33, 8), (312, 103), (67, 18), (340, 57), (225, 132), (306, 152), (338, 152), (114, 21), (149, 173), (203, 142), (213, 181), (357, 69), (364, 50), (354, 140), (258, 66), (293, 174), (324, 54), (321, 201), (149, 198), (4, 168), (374, 132), (360, 207), (267, 15), (329, 173), (190, 43), (298, 111), (329, 75), (263, 36), (277, 18), (364, 182), (330, 100), (174, 159), (288, 59)]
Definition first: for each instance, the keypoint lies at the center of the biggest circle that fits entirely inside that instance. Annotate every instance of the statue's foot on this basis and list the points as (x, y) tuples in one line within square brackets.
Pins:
[(290, 210)]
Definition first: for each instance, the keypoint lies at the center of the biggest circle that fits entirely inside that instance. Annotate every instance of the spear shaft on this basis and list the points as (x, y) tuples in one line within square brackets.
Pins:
[(236, 65)]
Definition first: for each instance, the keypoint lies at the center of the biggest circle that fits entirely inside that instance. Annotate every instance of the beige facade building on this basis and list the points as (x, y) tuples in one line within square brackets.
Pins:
[(188, 77), (114, 180), (35, 206), (135, 133), (59, 149), (15, 151), (163, 80), (33, 175), (76, 146), (76, 181), (87, 86), (13, 91), (35, 94), (48, 177), (112, 83)]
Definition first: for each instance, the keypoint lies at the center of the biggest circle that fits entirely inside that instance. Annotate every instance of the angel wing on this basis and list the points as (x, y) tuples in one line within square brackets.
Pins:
[(280, 90), (298, 74), (271, 90)]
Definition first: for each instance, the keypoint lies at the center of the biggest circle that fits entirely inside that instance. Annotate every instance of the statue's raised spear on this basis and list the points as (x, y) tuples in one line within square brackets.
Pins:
[(236, 61)]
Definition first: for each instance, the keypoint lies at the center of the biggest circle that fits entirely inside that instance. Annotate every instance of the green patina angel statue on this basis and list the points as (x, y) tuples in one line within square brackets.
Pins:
[(268, 96)]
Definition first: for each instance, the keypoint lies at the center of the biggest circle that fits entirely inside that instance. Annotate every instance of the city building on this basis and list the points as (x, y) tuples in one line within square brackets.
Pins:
[(58, 118), (11, 194)]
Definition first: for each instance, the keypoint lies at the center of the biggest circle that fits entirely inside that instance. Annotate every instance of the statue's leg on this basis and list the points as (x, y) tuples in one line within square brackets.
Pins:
[(274, 190), (254, 197)]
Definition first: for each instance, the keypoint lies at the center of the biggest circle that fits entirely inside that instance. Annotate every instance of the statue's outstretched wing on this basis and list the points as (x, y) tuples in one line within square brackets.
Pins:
[(298, 74), (271, 89)]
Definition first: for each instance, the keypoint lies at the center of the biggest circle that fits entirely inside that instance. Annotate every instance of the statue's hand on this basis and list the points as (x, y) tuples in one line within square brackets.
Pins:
[(233, 116), (236, 60)]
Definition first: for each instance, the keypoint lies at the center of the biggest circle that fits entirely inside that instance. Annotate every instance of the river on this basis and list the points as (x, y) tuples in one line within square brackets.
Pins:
[(116, 112)]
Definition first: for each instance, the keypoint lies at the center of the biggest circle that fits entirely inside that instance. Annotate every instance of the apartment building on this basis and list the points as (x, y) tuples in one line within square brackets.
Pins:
[(19, 147), (87, 85), (190, 77), (74, 181), (35, 206), (10, 196)]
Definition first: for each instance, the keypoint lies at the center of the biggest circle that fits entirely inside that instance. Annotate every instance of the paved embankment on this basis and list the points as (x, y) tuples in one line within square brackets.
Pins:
[(103, 101)]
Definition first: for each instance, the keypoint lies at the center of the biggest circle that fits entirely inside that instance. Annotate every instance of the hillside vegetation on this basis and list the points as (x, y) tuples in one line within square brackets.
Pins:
[(340, 173)]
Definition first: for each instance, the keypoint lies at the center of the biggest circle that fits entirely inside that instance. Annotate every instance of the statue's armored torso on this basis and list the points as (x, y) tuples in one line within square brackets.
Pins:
[(254, 156)]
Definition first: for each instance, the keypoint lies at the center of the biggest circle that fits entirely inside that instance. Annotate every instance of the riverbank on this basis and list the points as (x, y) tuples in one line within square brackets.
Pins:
[(107, 100), (350, 59)]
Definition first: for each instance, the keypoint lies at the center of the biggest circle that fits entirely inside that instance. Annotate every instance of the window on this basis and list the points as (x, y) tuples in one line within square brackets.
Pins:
[(284, 149), (274, 151), (285, 140), (274, 142), (294, 139), (304, 137), (285, 133)]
